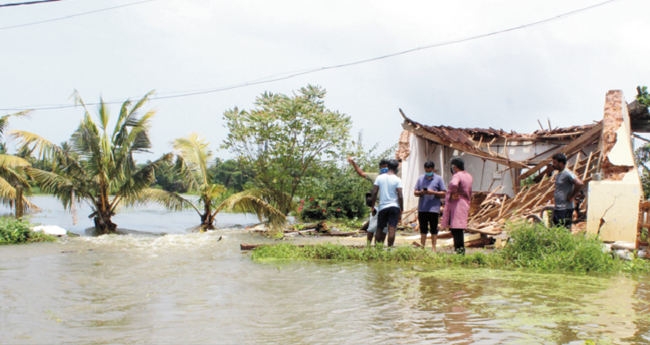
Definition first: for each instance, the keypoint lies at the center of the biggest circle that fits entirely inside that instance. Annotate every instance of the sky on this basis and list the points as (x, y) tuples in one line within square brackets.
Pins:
[(558, 71)]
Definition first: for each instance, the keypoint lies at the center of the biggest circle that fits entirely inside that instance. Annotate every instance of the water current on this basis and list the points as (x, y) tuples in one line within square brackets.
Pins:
[(164, 285)]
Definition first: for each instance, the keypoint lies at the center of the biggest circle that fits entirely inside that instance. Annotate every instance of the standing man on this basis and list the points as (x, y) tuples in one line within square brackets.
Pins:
[(457, 200), (383, 168), (391, 202), (567, 186), (429, 188)]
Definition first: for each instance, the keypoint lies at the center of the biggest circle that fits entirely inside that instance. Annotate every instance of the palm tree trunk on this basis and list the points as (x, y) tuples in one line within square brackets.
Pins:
[(104, 224), (207, 218)]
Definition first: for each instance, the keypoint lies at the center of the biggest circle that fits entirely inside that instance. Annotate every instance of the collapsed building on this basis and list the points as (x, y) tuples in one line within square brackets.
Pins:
[(503, 165)]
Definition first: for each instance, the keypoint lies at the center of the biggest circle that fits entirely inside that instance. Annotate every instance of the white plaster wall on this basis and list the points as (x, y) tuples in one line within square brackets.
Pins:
[(616, 202)]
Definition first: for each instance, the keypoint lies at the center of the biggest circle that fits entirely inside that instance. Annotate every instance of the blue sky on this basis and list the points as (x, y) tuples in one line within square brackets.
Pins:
[(560, 70)]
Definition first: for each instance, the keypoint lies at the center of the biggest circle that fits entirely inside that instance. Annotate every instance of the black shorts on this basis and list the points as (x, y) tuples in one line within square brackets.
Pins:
[(428, 221), (388, 217), (563, 218)]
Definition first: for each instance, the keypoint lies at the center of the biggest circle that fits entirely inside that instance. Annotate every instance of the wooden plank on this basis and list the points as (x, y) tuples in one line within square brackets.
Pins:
[(464, 148), (532, 191), (587, 165), (505, 197), (492, 231), (588, 137), (577, 163)]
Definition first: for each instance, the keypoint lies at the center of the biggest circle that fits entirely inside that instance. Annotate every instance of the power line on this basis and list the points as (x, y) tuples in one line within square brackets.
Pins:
[(314, 70), (28, 3), (72, 15)]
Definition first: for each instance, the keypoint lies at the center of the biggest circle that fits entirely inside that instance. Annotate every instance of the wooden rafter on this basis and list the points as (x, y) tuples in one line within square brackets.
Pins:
[(584, 139)]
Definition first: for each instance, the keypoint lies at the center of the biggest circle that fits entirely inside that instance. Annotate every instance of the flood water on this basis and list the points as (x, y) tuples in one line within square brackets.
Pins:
[(192, 288)]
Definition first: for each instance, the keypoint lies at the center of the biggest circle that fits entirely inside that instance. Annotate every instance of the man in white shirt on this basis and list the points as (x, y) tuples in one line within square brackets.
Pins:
[(391, 202)]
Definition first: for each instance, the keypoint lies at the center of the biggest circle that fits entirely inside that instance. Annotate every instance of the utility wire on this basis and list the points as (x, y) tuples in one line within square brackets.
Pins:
[(72, 15), (314, 70), (28, 3)]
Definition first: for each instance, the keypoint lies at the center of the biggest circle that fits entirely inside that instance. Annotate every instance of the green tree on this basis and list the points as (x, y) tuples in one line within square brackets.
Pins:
[(337, 188), (284, 139), (643, 96), (230, 174), (193, 156), (98, 166), (169, 180)]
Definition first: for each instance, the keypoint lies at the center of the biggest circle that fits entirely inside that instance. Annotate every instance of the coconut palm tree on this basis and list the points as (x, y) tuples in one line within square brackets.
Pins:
[(12, 169), (98, 166), (192, 160)]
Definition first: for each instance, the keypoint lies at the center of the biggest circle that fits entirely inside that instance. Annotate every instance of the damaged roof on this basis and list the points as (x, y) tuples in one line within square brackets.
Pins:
[(470, 136)]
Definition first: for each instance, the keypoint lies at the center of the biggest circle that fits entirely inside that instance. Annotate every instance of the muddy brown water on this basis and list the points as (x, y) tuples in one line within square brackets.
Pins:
[(194, 289)]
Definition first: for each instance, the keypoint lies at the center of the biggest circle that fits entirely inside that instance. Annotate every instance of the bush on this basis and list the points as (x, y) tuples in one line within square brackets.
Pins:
[(337, 195), (18, 231), (555, 249)]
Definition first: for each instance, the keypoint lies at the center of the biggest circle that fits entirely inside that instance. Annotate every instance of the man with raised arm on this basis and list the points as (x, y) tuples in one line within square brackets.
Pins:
[(391, 202), (372, 221)]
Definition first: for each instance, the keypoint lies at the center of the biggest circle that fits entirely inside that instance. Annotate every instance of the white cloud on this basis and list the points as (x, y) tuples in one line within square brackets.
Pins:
[(560, 70)]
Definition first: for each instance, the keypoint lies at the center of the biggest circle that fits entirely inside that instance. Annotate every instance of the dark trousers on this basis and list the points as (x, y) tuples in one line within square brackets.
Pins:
[(563, 218), (428, 222), (459, 240)]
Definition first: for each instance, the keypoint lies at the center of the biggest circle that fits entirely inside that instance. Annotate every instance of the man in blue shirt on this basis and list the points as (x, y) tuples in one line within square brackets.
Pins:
[(429, 188)]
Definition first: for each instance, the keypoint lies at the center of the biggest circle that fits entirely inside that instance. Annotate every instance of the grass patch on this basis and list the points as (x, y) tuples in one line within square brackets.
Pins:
[(531, 247), (14, 231)]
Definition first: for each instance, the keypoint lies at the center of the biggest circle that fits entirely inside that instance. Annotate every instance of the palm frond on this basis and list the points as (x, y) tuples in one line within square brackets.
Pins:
[(131, 190), (4, 120), (194, 152), (15, 177), (9, 161), (43, 147), (58, 185), (8, 196), (189, 178), (104, 114), (172, 201), (46, 150), (129, 119), (252, 201)]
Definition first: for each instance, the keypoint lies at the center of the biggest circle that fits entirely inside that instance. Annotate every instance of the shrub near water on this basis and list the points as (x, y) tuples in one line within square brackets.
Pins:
[(555, 249), (531, 247), (18, 231)]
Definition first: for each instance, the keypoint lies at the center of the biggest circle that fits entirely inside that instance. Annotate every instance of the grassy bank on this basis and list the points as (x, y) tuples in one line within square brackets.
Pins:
[(13, 231), (531, 247)]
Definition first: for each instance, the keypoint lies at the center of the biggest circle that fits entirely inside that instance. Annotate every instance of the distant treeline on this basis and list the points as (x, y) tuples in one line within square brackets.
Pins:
[(228, 173)]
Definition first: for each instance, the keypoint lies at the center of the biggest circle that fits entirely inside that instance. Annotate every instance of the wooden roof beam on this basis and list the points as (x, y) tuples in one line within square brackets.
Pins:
[(585, 139), (469, 150)]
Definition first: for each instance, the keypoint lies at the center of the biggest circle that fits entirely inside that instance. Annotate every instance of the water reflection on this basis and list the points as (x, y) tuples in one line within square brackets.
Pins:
[(507, 306)]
